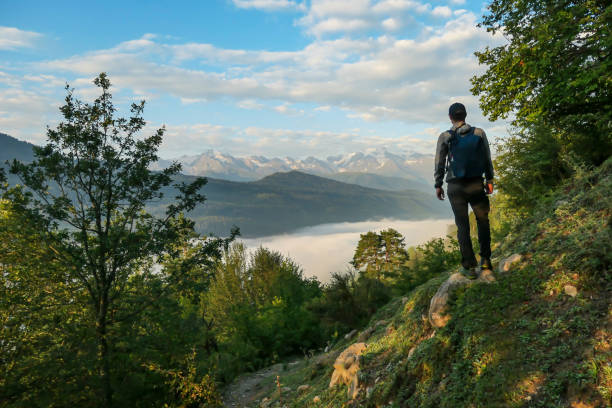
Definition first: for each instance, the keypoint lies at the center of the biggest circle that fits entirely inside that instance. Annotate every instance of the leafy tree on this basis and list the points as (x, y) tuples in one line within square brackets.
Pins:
[(367, 254), (42, 321), (258, 303), (553, 68), (85, 193), (380, 256), (395, 254)]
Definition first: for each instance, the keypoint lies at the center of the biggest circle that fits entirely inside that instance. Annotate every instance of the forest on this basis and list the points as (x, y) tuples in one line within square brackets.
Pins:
[(104, 304)]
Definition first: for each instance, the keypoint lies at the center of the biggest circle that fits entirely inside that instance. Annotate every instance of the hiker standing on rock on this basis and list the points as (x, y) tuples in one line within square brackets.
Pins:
[(463, 154)]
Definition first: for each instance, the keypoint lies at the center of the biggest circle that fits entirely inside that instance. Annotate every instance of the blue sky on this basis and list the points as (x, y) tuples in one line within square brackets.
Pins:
[(267, 77)]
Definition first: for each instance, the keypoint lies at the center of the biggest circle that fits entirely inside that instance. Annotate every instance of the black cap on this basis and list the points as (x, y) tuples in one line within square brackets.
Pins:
[(456, 108)]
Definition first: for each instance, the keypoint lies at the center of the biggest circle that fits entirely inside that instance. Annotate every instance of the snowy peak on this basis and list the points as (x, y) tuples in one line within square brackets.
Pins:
[(374, 161)]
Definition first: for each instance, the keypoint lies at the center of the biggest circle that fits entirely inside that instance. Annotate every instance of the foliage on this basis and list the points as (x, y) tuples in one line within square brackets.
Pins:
[(381, 255), (348, 301), (518, 342), (84, 195), (258, 305), (431, 258), (191, 390), (530, 164), (554, 68)]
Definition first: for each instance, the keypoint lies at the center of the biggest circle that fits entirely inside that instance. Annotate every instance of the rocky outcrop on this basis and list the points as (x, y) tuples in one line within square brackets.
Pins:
[(438, 316), (509, 262), (346, 368)]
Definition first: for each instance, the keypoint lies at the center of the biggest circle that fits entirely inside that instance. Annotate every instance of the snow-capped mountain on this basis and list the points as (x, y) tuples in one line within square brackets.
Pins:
[(411, 166)]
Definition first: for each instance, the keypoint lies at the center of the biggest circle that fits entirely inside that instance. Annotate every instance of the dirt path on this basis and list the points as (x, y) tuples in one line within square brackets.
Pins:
[(252, 387)]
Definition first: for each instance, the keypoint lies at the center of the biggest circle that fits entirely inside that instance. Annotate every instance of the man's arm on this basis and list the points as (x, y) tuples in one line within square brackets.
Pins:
[(488, 162), (440, 161)]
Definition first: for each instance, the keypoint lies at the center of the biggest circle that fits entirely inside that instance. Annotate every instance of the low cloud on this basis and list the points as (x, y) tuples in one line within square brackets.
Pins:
[(324, 249)]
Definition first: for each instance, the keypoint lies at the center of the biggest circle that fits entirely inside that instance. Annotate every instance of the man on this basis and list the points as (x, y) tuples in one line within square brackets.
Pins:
[(463, 154)]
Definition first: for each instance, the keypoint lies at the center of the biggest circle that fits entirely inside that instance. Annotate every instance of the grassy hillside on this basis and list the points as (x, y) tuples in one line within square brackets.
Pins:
[(521, 341)]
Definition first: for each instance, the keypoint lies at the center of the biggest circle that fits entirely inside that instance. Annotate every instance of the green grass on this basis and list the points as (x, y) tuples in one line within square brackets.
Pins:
[(519, 342)]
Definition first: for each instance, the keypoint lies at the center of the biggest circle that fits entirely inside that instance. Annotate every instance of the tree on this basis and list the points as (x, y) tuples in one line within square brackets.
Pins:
[(367, 255), (554, 68), (380, 255), (86, 193)]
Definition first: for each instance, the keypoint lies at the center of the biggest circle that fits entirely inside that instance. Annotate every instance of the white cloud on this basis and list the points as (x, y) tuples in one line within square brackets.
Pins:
[(328, 248), (12, 38), (442, 11), (375, 78), (268, 4), (25, 114), (391, 24)]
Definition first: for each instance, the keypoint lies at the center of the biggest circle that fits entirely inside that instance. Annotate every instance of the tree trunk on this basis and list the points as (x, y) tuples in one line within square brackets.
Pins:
[(103, 357)]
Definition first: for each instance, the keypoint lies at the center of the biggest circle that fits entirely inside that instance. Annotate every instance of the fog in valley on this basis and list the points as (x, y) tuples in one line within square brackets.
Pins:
[(327, 248)]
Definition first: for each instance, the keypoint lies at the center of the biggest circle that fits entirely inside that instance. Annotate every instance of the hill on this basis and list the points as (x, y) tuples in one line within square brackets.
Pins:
[(539, 335), (282, 202), (382, 182), (410, 166)]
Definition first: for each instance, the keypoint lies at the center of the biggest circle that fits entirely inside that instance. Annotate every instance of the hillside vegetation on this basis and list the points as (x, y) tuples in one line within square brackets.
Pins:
[(520, 341)]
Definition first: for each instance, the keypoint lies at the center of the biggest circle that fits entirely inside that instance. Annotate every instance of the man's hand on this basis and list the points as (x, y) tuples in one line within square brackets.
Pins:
[(440, 193), (489, 187)]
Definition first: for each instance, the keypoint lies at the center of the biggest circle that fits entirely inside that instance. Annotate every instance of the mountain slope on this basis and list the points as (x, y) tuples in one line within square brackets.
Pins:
[(380, 162), (381, 182), (283, 202), (540, 336)]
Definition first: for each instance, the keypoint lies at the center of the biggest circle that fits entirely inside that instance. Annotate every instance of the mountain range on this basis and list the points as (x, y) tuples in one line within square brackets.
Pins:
[(285, 201), (415, 168)]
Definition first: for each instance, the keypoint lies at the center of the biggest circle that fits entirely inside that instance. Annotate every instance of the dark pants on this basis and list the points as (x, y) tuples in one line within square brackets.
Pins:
[(460, 194)]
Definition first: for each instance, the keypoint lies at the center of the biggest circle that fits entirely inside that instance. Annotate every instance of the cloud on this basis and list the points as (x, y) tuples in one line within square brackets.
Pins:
[(375, 78), (442, 11), (24, 114), (12, 38), (268, 5), (328, 248), (329, 17)]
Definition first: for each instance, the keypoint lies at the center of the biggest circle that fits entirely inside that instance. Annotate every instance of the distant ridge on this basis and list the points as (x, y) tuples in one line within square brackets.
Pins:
[(281, 202)]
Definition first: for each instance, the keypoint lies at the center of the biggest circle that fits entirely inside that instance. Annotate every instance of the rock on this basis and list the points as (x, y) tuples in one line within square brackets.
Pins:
[(303, 388), (350, 334), (316, 399), (570, 290), (265, 403), (380, 323), (506, 264), (486, 276), (404, 300), (346, 368), (438, 305), (364, 335), (286, 389)]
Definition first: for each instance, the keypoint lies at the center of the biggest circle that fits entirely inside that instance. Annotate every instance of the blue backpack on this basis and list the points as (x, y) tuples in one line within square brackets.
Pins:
[(466, 157)]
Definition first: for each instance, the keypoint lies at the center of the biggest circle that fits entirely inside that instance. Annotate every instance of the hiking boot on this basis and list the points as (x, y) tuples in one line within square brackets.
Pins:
[(485, 263), (470, 273)]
